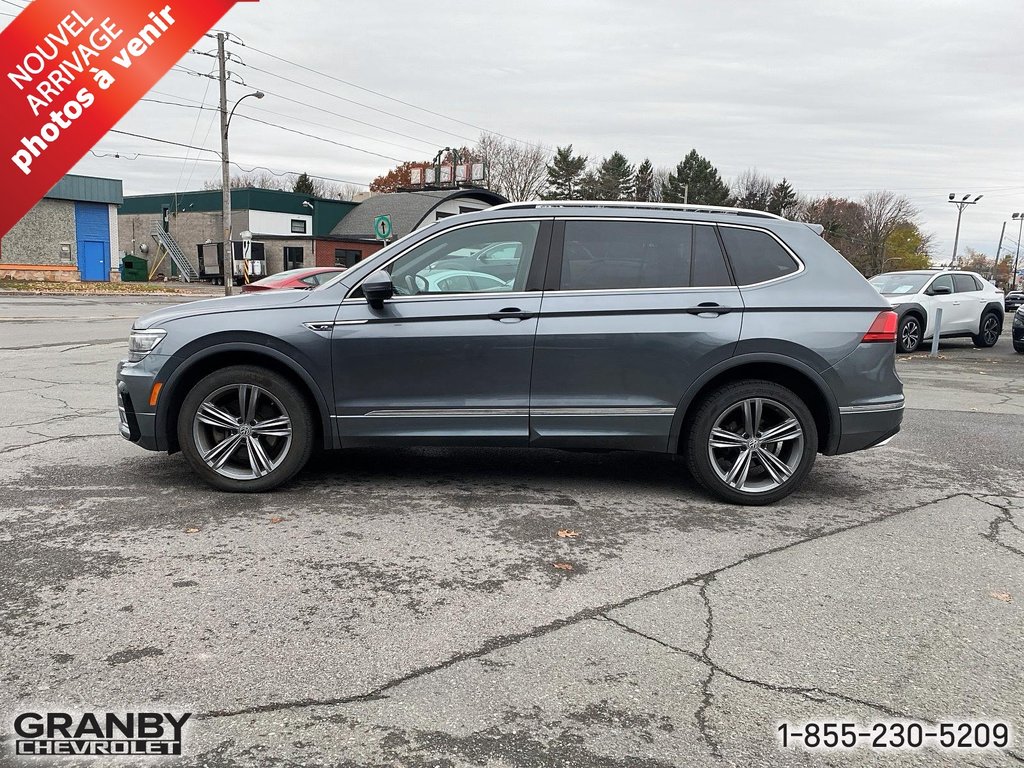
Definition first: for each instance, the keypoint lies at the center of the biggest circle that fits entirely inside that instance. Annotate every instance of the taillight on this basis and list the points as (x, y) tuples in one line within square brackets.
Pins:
[(883, 329)]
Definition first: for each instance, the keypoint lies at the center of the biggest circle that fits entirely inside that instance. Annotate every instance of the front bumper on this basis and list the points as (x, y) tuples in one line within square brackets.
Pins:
[(866, 426), (137, 418)]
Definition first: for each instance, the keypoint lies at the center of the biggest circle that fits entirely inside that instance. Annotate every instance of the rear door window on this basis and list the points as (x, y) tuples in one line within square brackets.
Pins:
[(609, 255), (756, 256), (965, 283)]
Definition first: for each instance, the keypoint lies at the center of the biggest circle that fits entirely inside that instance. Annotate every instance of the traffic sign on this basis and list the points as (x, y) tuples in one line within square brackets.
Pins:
[(382, 227)]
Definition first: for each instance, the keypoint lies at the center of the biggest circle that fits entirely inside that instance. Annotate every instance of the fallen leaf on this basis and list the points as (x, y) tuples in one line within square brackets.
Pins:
[(567, 533), (277, 519), (563, 566), (191, 530), (1004, 596)]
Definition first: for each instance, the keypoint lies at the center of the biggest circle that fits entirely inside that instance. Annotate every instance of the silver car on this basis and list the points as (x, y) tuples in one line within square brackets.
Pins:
[(738, 339)]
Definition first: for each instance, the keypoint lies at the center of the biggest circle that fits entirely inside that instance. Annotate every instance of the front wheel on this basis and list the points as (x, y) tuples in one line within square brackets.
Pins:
[(751, 442), (909, 334), (991, 327), (245, 429)]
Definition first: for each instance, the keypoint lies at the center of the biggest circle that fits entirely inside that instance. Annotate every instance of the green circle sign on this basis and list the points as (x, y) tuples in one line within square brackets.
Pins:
[(382, 227)]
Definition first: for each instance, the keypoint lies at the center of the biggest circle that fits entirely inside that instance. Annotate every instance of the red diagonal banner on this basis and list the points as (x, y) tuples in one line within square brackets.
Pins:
[(70, 69)]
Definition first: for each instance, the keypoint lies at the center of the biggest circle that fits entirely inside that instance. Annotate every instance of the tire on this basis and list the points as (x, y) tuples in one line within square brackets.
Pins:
[(1018, 347), (239, 456), (765, 481), (909, 334), (991, 328)]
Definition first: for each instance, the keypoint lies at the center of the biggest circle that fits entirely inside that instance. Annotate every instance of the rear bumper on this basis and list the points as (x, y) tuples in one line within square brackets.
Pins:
[(865, 426)]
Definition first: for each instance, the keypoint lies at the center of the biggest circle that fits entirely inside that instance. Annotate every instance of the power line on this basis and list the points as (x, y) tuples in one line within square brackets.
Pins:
[(104, 153), (358, 103), (382, 95), (278, 114), (164, 141)]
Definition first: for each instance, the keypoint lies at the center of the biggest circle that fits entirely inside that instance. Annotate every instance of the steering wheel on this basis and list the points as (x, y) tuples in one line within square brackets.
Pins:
[(421, 284)]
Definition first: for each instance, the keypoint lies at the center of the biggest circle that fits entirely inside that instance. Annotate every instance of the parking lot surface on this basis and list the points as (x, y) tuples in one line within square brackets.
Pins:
[(505, 608)]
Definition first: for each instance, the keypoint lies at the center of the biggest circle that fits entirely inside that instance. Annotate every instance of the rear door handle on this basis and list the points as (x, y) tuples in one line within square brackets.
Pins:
[(510, 314), (708, 309)]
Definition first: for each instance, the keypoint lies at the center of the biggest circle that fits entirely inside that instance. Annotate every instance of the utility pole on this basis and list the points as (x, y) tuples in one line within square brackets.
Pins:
[(1016, 259), (225, 173)]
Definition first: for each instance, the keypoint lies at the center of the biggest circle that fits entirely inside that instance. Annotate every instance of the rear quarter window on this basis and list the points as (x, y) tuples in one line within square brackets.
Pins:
[(756, 256)]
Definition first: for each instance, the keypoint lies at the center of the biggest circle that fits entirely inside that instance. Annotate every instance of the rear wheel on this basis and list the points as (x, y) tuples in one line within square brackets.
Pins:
[(991, 327), (909, 334), (245, 429), (751, 442)]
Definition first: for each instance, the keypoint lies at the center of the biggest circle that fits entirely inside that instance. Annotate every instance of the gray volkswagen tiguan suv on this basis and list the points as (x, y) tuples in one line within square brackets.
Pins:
[(737, 339)]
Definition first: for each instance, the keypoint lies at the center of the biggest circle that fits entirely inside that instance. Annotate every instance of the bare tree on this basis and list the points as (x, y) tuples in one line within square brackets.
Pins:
[(753, 189), (883, 212), (516, 170)]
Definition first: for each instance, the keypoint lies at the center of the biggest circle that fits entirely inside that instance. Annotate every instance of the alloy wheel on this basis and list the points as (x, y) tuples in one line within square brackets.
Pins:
[(910, 334), (242, 431), (756, 445), (990, 330)]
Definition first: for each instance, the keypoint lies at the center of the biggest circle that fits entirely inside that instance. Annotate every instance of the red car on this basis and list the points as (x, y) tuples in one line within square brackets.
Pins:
[(305, 279)]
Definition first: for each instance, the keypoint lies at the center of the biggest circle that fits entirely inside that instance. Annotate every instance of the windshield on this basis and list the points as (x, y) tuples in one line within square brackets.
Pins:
[(899, 283)]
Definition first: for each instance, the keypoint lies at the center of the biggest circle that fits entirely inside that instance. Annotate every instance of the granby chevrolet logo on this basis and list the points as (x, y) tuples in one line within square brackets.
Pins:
[(90, 733)]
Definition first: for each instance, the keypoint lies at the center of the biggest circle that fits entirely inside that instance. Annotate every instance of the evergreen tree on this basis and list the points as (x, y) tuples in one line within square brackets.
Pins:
[(588, 186), (701, 177), (643, 182), (783, 198), (565, 175), (304, 185), (614, 178)]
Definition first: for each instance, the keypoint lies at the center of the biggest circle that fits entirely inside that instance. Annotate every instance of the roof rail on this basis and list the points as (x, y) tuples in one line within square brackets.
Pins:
[(631, 204)]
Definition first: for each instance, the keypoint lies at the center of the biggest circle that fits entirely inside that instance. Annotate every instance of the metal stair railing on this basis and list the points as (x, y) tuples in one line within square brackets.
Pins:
[(170, 245)]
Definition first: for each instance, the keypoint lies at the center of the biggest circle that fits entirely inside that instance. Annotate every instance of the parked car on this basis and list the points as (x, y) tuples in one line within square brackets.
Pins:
[(737, 339), (1018, 330), (309, 277), (971, 306), (1013, 301), (498, 259), (460, 281)]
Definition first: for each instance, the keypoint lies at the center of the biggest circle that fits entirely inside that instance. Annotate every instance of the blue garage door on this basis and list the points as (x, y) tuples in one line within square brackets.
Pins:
[(92, 226)]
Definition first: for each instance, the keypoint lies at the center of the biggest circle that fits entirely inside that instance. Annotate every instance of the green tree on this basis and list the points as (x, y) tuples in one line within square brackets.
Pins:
[(565, 175), (907, 248), (643, 182), (304, 185), (782, 198), (697, 181), (615, 178)]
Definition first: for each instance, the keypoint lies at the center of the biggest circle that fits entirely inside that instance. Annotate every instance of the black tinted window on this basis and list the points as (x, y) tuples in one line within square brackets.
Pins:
[(756, 256), (602, 255), (965, 283)]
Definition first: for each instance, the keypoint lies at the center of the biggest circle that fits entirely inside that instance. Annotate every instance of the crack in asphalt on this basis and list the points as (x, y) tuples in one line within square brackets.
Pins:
[(13, 448), (506, 641), (995, 526)]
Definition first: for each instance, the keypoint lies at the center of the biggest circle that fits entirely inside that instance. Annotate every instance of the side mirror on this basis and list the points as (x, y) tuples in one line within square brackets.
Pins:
[(940, 290), (378, 288)]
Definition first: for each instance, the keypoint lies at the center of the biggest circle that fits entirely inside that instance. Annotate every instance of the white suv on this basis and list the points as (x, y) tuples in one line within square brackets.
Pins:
[(971, 306)]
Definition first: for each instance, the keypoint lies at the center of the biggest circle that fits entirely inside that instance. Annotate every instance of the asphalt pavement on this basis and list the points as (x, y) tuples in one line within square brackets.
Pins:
[(420, 607)]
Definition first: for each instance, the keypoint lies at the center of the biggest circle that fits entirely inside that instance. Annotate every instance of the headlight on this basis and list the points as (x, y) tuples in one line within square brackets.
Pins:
[(141, 343)]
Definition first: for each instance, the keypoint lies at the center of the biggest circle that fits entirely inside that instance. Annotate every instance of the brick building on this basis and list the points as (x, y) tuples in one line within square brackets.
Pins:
[(288, 224), (71, 234)]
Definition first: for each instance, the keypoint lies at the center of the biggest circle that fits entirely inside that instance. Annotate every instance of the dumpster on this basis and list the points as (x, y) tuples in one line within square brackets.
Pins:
[(134, 269)]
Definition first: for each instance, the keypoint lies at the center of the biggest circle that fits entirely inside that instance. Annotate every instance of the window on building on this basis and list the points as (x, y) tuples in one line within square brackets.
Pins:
[(346, 257), (293, 257), (298, 226)]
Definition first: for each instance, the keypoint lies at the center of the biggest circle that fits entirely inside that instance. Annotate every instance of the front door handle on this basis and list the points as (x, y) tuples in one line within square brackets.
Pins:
[(510, 314), (708, 309)]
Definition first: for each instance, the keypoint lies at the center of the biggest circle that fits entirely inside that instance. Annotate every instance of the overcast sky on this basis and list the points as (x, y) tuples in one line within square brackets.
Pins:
[(923, 97)]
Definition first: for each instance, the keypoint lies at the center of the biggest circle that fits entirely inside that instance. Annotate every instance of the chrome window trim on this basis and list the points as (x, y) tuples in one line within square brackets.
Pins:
[(445, 231)]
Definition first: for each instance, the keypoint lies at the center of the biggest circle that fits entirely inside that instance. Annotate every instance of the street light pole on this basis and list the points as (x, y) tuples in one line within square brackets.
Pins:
[(228, 270), (1016, 259), (960, 205)]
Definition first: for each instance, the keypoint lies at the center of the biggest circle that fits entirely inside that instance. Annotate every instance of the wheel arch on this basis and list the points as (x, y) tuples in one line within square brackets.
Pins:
[(222, 355), (786, 371), (995, 307)]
